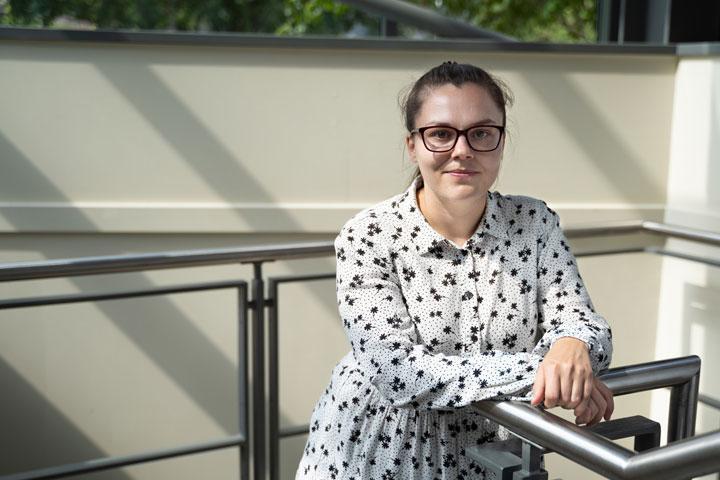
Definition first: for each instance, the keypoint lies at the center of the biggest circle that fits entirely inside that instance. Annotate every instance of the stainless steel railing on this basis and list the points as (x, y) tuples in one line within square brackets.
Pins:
[(263, 437), (682, 457)]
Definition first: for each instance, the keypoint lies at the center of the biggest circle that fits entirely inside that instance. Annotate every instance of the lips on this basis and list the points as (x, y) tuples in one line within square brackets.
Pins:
[(462, 173)]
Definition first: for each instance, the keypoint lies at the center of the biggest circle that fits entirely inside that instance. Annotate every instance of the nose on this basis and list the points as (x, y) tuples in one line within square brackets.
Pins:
[(462, 147)]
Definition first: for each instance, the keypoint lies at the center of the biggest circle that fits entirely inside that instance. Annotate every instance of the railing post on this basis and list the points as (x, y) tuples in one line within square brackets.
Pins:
[(273, 383), (258, 346), (243, 353), (531, 464), (683, 409)]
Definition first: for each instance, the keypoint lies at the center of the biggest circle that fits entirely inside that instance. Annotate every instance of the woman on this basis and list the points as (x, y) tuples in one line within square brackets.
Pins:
[(451, 294)]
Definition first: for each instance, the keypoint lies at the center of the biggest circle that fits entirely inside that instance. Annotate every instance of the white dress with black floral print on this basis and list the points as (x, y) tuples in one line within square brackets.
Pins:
[(435, 327)]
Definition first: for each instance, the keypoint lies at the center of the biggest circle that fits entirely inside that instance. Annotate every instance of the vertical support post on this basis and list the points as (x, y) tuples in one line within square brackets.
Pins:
[(621, 22), (258, 344), (531, 464), (273, 381), (388, 28), (243, 352), (604, 20), (683, 409)]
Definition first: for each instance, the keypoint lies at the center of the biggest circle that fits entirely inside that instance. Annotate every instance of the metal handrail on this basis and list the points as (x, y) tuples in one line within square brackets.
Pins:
[(193, 258), (426, 19), (73, 267), (685, 457), (102, 464), (107, 463)]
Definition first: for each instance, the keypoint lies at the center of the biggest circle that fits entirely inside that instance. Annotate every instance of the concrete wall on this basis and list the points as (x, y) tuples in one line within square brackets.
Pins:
[(109, 148)]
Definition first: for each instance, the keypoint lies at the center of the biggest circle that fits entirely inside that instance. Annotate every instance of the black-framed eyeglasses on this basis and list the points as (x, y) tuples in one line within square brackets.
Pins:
[(481, 138)]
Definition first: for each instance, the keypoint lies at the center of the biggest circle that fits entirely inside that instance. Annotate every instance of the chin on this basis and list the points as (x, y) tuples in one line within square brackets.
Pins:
[(465, 192)]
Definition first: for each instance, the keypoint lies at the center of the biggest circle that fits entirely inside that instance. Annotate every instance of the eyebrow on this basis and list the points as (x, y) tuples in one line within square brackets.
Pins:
[(484, 121)]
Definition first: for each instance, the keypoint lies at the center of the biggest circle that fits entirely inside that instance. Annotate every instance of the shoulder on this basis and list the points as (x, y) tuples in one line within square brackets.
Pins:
[(374, 220), (529, 213), (376, 224)]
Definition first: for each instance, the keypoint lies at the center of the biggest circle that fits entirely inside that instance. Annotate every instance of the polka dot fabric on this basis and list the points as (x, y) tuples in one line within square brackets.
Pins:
[(434, 327)]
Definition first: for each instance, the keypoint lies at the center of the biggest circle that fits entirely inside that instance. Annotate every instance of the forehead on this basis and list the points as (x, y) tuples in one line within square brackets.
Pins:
[(460, 106)]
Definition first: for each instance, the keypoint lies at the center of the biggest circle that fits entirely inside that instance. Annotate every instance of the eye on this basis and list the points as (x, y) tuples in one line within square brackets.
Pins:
[(481, 133), (439, 133)]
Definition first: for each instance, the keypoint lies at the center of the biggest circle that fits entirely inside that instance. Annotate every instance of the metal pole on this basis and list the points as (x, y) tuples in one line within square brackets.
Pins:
[(71, 267), (273, 380), (646, 376), (426, 19), (258, 344), (683, 410), (101, 464), (243, 400), (621, 22)]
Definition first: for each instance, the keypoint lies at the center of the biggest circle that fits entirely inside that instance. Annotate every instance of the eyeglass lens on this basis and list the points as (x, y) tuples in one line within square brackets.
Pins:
[(479, 138)]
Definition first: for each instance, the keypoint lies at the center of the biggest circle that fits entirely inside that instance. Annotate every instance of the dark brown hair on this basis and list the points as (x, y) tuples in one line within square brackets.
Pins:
[(456, 74)]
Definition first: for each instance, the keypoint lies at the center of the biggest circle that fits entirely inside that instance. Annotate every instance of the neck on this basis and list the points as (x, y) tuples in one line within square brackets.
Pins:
[(454, 220)]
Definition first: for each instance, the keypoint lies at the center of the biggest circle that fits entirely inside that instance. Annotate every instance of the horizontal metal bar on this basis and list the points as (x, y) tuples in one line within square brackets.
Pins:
[(709, 401), (247, 40), (650, 375), (613, 251), (605, 228), (101, 464), (301, 278), (677, 231), (294, 431), (97, 297), (686, 458), (162, 260), (684, 256), (425, 19), (192, 258)]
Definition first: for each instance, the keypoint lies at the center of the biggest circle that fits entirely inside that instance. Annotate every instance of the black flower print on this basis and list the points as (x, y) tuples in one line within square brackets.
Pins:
[(433, 327)]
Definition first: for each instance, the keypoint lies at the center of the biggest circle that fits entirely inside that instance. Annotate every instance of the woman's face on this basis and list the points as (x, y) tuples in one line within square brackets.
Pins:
[(461, 173)]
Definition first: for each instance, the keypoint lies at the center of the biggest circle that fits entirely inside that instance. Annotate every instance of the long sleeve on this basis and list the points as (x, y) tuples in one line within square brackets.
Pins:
[(564, 306), (385, 342)]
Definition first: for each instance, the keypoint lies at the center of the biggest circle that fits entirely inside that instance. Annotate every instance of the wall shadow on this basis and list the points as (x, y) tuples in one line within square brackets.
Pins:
[(22, 405), (594, 135), (210, 389), (159, 329)]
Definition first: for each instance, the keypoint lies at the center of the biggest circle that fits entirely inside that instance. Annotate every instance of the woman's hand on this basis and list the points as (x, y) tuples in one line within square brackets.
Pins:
[(600, 405), (564, 377)]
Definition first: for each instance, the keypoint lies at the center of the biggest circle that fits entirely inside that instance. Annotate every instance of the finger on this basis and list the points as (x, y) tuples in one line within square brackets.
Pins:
[(581, 410), (608, 395), (577, 391), (601, 406), (552, 389), (539, 387), (589, 413), (566, 386), (588, 386)]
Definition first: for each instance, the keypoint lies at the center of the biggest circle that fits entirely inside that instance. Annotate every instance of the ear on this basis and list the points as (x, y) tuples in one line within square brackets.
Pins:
[(410, 144)]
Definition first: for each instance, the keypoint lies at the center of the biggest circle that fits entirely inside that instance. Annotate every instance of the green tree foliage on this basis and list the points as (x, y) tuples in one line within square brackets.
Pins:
[(324, 17), (529, 20)]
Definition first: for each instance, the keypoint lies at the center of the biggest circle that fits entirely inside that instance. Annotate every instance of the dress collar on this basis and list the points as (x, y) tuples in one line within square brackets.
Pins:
[(429, 241)]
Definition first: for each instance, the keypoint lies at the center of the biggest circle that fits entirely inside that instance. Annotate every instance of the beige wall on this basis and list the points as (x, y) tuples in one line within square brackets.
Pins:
[(110, 149), (162, 139)]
